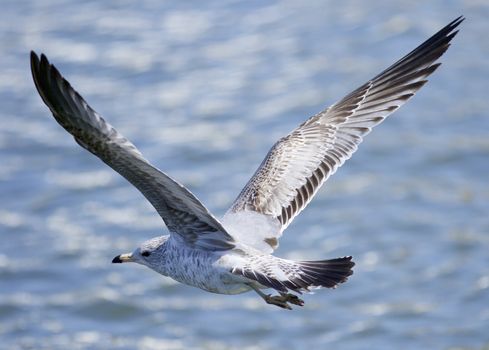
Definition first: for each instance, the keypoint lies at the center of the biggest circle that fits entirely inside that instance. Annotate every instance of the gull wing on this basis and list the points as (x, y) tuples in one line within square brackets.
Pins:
[(299, 163), (183, 213)]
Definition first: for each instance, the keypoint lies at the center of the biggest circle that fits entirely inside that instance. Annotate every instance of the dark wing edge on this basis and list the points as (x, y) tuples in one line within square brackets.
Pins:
[(182, 212)]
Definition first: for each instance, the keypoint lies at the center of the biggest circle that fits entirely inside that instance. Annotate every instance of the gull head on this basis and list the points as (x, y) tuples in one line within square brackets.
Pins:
[(146, 253)]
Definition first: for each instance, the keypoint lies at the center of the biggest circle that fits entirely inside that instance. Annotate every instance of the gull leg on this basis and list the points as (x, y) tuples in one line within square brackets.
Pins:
[(281, 300), (273, 300)]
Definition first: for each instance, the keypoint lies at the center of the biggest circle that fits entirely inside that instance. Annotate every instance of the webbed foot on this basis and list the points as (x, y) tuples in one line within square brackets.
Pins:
[(283, 299), (293, 299), (278, 300)]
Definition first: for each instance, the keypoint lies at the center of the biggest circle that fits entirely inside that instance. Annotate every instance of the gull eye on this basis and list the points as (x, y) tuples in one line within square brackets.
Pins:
[(145, 253)]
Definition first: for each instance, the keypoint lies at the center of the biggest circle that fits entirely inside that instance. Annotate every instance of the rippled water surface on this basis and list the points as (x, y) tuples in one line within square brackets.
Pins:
[(204, 88)]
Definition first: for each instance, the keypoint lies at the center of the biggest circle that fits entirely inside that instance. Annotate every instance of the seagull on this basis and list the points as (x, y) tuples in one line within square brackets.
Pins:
[(234, 255)]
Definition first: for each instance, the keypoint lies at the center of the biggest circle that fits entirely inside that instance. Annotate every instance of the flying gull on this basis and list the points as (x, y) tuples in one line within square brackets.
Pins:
[(234, 255)]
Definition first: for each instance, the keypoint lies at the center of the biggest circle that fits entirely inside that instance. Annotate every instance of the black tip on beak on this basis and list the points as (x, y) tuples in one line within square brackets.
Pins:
[(117, 260)]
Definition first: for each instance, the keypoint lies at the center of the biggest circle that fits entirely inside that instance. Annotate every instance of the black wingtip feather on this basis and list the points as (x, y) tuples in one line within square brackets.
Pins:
[(430, 50), (34, 57)]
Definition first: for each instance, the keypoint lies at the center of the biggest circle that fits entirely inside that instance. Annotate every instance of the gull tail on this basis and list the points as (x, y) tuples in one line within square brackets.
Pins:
[(298, 276), (323, 273)]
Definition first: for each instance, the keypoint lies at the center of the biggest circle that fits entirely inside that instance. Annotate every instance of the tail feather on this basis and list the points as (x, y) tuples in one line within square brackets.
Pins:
[(325, 273), (283, 275)]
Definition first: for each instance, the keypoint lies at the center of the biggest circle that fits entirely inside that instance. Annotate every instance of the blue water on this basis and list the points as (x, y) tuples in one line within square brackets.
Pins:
[(204, 88)]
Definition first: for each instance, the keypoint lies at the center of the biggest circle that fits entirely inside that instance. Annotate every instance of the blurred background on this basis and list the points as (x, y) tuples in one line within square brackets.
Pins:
[(204, 89)]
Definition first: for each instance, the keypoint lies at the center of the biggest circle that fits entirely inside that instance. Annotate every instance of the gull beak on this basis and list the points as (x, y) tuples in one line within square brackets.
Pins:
[(122, 258)]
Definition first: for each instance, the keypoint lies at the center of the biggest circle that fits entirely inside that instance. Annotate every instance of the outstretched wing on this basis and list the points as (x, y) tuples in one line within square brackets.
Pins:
[(182, 212), (299, 163)]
